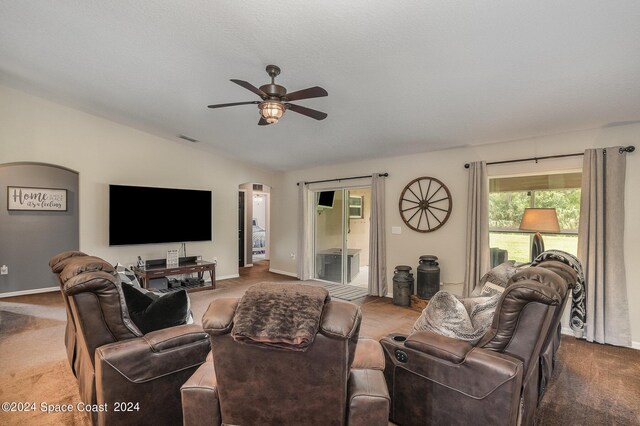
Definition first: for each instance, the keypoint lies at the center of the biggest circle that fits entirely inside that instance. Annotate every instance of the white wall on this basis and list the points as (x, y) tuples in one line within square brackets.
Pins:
[(448, 243), (104, 152)]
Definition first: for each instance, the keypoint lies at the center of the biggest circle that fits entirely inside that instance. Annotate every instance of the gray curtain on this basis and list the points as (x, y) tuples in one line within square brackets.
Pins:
[(305, 234), (477, 247), (601, 246), (377, 241)]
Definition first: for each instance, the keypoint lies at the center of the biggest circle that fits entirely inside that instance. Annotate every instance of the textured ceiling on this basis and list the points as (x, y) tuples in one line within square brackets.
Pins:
[(402, 77)]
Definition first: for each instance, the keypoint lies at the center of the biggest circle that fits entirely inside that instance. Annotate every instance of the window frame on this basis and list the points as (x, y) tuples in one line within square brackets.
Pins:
[(567, 232)]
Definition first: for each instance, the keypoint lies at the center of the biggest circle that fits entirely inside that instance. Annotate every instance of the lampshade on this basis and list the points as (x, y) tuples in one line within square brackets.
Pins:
[(271, 111), (540, 220)]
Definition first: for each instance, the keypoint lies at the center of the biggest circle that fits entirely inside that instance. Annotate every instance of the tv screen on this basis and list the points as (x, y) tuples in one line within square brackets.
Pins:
[(325, 199), (146, 215)]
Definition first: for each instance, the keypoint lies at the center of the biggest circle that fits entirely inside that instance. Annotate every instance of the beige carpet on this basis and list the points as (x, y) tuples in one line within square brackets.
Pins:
[(33, 359)]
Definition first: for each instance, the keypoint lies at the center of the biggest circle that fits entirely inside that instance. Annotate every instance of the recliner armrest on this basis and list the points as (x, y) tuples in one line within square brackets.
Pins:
[(218, 319), (148, 371), (368, 355), (438, 366), (156, 354), (439, 346), (369, 400), (200, 404), (169, 338)]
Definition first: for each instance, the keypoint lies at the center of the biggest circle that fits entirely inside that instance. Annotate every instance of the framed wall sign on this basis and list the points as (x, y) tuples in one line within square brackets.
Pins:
[(38, 199), (172, 258)]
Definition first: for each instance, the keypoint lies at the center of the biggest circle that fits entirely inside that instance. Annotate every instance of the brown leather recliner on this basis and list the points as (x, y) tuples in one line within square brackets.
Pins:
[(552, 341), (434, 379), (112, 360), (57, 264), (255, 385)]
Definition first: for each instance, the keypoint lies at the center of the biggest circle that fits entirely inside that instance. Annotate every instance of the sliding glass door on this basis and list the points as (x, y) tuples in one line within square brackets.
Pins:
[(329, 218), (342, 220)]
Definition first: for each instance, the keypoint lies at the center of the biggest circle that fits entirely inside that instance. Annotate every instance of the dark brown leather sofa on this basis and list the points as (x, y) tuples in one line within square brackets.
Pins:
[(338, 380), (434, 379), (111, 359)]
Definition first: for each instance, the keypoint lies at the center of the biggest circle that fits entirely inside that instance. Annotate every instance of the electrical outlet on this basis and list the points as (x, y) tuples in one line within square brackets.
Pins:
[(4, 270), (293, 255), (215, 260)]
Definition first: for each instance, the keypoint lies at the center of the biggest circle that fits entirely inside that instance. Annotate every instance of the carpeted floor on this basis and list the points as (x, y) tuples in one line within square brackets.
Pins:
[(592, 385)]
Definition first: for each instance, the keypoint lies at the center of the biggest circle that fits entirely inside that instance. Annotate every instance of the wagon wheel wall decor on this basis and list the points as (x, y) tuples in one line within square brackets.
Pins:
[(425, 204)]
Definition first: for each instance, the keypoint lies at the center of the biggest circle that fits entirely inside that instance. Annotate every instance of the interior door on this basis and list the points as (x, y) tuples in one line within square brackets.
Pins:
[(241, 226)]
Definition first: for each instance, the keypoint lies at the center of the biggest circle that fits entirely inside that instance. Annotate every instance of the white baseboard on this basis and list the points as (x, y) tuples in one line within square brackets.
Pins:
[(569, 332), (227, 277), (32, 291), (248, 265), (278, 271)]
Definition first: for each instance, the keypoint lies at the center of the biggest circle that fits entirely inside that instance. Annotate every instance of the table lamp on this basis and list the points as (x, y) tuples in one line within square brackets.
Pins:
[(539, 220)]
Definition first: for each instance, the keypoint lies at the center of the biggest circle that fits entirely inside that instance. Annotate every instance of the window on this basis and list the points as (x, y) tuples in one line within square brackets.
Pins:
[(509, 196), (355, 206)]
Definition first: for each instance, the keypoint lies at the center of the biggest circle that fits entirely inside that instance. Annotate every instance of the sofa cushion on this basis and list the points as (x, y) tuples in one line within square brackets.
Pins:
[(151, 312)]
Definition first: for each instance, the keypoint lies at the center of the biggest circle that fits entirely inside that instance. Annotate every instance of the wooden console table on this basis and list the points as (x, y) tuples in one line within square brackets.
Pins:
[(144, 275)]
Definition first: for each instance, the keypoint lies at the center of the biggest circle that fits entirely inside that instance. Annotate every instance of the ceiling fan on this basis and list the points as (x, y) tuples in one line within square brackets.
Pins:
[(275, 99)]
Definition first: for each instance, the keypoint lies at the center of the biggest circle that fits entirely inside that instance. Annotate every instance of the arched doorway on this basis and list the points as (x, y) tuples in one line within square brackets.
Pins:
[(32, 231)]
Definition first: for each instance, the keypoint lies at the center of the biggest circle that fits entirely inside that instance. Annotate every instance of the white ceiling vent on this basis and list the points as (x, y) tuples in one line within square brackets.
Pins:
[(187, 138)]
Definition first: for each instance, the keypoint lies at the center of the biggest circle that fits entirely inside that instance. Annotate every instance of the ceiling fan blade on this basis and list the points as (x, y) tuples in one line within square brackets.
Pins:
[(263, 122), (311, 92), (318, 115), (250, 87), (233, 104)]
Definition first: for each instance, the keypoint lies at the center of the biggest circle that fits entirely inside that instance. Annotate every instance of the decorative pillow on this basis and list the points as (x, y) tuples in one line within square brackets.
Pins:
[(498, 276), (463, 319), (491, 289), (152, 312), (126, 275)]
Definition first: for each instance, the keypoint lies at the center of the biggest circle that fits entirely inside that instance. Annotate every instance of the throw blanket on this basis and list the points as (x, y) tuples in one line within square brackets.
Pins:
[(284, 316), (465, 319), (578, 304)]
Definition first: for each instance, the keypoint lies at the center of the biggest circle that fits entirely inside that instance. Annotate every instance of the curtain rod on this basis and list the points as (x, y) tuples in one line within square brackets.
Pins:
[(629, 148), (347, 178)]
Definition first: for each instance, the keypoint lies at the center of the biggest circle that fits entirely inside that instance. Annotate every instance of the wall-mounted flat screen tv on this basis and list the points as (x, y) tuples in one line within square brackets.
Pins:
[(325, 199), (147, 215)]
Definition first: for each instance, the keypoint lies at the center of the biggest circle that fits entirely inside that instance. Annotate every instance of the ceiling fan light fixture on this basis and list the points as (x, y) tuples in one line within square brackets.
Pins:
[(271, 111)]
